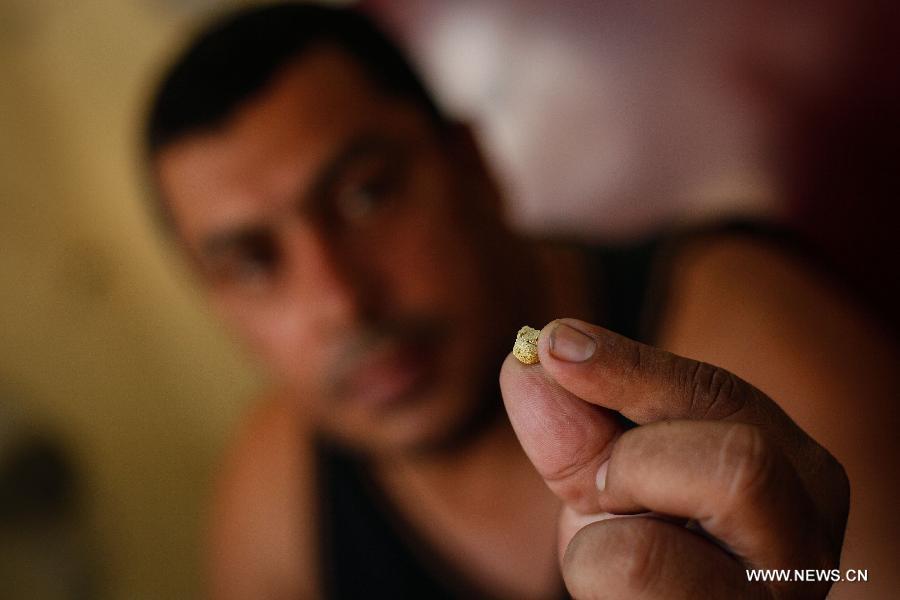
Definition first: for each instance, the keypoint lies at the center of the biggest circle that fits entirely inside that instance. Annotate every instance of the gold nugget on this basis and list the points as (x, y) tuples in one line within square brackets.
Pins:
[(525, 348)]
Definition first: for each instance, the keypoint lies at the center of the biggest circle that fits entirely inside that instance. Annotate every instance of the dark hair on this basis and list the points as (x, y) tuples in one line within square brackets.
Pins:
[(236, 57)]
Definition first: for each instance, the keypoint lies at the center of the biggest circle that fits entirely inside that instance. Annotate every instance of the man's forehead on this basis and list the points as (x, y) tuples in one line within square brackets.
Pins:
[(276, 144), (308, 92)]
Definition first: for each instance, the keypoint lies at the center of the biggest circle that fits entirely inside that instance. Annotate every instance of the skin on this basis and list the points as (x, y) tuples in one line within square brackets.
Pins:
[(363, 258), (832, 368), (321, 245), (708, 447), (334, 230), (680, 462)]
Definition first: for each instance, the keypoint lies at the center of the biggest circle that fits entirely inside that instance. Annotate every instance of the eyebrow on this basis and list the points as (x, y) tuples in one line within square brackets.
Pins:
[(366, 144), (358, 147)]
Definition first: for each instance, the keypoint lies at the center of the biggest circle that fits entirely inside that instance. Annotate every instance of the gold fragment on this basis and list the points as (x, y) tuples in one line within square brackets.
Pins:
[(525, 348)]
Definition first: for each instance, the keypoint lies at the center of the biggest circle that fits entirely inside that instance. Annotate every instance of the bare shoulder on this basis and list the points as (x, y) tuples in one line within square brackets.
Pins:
[(747, 305), (261, 542), (750, 291), (761, 313)]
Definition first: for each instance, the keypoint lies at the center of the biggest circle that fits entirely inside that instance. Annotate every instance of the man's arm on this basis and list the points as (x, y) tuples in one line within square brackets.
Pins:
[(762, 315), (261, 543)]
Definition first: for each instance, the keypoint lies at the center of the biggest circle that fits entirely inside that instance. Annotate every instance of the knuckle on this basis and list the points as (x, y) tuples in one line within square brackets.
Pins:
[(627, 444), (746, 463), (583, 566), (713, 392), (632, 454), (622, 557), (634, 448), (634, 361), (641, 562)]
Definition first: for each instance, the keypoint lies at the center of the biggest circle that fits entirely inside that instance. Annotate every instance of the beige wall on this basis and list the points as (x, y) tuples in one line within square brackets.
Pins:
[(101, 338)]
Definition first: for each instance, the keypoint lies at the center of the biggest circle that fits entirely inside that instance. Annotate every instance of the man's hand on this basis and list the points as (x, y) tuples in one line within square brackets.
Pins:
[(709, 449)]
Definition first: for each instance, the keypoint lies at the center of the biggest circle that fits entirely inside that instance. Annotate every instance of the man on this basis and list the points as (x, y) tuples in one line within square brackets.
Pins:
[(351, 236)]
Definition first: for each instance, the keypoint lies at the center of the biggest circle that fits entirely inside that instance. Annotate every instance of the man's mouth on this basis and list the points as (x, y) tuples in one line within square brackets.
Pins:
[(391, 375)]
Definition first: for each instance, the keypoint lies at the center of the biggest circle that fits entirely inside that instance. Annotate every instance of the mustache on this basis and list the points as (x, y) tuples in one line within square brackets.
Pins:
[(358, 346)]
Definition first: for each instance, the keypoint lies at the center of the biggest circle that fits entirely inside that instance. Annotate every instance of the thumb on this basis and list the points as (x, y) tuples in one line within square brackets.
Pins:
[(566, 438), (566, 410)]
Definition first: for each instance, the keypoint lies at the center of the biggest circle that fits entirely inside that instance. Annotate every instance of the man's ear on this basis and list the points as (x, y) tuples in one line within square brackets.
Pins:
[(466, 153)]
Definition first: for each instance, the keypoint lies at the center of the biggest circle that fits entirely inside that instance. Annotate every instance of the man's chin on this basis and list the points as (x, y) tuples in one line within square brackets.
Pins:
[(430, 424)]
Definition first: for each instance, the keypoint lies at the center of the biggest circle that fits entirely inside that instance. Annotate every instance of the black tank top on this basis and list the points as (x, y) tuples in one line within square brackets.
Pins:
[(368, 549)]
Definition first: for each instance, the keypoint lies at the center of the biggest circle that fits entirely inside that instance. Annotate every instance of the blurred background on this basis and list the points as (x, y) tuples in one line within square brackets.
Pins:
[(604, 120)]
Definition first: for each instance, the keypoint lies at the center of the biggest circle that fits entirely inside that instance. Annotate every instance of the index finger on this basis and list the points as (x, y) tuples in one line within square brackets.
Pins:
[(643, 383), (564, 409)]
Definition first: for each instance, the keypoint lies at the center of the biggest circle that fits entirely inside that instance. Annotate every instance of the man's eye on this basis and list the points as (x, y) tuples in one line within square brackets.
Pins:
[(361, 201), (252, 265)]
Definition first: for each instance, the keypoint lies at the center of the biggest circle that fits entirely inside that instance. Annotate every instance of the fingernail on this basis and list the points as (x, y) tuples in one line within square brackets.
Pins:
[(601, 476), (569, 344)]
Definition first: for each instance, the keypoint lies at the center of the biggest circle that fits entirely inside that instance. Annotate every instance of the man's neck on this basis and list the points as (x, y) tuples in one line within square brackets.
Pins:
[(484, 463), (488, 449)]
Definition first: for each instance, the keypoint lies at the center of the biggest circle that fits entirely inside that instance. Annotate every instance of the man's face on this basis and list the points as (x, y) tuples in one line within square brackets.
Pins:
[(343, 239)]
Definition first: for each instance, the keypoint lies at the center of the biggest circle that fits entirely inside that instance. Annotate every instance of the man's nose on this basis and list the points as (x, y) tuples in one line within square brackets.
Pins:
[(326, 279)]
